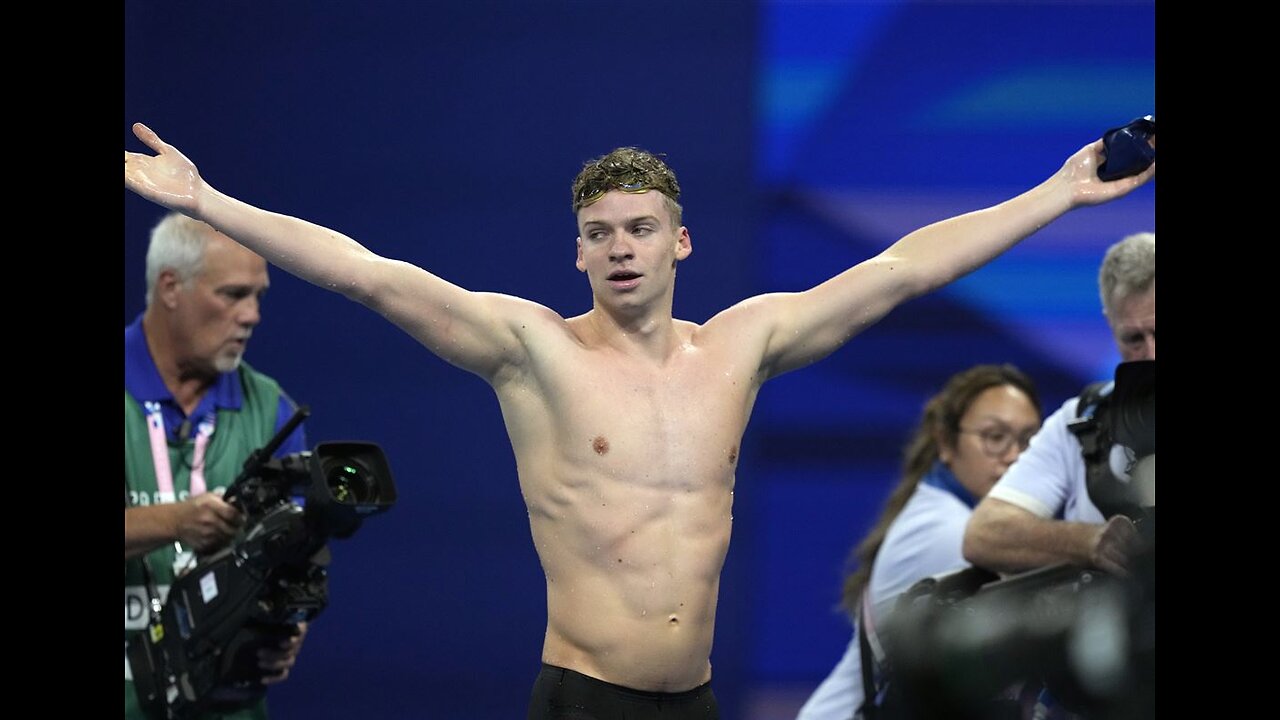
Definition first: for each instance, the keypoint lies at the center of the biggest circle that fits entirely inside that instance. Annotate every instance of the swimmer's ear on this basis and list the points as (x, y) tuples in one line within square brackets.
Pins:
[(684, 245)]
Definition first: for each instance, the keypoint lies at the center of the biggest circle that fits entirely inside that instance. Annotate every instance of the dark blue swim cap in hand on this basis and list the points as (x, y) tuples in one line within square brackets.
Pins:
[(1128, 152)]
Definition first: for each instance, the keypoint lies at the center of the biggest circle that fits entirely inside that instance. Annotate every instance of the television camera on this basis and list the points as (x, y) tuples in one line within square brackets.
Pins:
[(199, 650)]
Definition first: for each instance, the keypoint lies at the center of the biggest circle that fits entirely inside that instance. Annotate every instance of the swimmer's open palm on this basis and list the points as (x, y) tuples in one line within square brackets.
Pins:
[(167, 178)]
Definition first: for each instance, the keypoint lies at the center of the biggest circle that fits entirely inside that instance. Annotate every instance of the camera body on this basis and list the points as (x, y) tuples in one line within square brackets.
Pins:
[(969, 645), (199, 652)]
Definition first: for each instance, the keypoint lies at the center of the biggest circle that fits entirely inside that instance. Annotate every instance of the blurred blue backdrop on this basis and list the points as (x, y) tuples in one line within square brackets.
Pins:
[(807, 136)]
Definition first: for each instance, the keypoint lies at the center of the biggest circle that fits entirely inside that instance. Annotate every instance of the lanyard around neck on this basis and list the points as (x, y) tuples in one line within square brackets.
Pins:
[(160, 453)]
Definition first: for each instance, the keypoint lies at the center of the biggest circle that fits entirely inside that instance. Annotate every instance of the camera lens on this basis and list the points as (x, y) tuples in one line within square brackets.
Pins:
[(350, 482)]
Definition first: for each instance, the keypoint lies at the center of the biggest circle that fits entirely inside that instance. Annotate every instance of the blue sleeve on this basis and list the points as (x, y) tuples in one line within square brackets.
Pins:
[(297, 440)]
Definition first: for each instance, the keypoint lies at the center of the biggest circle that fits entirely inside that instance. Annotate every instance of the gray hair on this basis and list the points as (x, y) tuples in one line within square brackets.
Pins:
[(1128, 268), (177, 243)]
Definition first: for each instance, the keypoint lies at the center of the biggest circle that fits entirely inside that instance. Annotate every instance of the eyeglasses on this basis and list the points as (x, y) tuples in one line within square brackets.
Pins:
[(997, 441)]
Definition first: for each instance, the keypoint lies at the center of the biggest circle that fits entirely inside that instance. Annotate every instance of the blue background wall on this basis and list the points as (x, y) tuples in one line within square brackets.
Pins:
[(806, 135)]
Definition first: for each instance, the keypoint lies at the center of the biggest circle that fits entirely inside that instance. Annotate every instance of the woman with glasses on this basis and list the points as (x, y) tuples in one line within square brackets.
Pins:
[(968, 435)]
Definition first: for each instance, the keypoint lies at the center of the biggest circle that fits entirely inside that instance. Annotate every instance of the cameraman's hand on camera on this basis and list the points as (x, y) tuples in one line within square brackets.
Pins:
[(1114, 545), (278, 662), (206, 522)]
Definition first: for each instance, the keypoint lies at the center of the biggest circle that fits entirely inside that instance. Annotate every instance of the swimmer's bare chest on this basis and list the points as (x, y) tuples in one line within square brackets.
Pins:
[(597, 411)]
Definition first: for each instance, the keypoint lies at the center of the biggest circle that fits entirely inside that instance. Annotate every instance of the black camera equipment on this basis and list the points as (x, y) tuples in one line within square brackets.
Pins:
[(199, 651), (1082, 638)]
